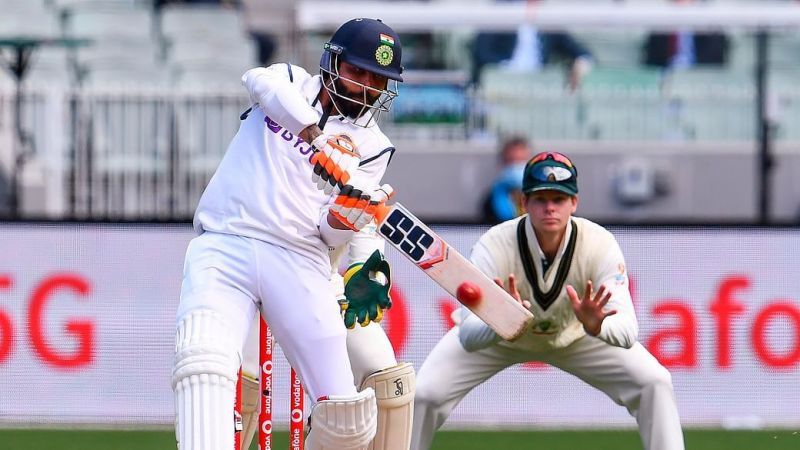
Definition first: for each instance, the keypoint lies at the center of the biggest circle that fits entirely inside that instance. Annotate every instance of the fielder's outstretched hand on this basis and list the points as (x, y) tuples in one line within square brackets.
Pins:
[(512, 289), (589, 309), (334, 163), (366, 291)]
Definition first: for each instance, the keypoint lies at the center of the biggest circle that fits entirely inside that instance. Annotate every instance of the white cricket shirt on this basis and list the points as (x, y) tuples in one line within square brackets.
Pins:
[(595, 255), (262, 188)]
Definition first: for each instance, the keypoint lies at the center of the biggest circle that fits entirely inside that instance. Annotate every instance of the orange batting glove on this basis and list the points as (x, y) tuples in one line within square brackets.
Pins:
[(334, 162)]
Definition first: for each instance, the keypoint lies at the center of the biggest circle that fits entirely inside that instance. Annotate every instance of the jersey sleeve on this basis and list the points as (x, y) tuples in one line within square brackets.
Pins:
[(621, 329), (277, 90), (372, 168), (483, 259)]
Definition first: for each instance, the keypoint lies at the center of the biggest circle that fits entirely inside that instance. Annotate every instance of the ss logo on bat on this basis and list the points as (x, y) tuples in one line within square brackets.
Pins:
[(402, 231)]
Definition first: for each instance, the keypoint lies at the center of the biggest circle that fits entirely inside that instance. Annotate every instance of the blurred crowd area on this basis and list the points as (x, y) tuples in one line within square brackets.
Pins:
[(127, 108)]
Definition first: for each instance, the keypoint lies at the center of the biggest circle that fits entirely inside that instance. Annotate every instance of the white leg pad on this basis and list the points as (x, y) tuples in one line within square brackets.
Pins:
[(249, 409), (343, 422), (204, 382), (394, 393)]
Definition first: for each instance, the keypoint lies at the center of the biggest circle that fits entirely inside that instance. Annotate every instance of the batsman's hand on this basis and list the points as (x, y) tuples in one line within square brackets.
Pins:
[(356, 207), (334, 162), (366, 291), (589, 309)]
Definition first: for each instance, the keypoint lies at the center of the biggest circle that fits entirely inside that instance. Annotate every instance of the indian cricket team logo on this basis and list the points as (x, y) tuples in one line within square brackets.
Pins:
[(384, 55)]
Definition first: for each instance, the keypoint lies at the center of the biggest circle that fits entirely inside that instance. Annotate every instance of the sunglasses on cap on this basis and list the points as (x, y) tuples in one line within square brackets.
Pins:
[(551, 174), (555, 156)]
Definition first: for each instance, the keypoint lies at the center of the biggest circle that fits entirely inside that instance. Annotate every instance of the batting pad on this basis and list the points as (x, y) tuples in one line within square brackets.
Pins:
[(394, 393), (204, 381), (343, 422)]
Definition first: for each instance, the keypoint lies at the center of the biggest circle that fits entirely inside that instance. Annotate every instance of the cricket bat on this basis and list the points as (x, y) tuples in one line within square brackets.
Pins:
[(453, 272), (448, 268)]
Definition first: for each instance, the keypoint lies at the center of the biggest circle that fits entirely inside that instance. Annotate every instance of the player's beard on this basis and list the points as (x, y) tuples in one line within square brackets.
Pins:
[(352, 109)]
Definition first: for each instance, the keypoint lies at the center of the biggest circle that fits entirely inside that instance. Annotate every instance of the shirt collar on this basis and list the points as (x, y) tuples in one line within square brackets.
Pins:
[(561, 247)]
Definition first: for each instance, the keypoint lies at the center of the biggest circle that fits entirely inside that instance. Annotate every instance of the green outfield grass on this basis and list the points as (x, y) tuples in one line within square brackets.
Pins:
[(447, 440)]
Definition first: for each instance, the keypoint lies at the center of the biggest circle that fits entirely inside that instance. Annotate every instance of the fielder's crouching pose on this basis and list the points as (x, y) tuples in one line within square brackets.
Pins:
[(265, 223), (558, 259), (365, 291)]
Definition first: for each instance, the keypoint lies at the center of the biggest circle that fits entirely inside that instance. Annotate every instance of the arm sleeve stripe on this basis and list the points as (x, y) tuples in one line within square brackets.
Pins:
[(291, 75), (388, 149), (245, 114)]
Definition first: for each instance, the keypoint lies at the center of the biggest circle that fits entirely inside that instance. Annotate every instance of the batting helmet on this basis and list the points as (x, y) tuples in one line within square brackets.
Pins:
[(370, 45)]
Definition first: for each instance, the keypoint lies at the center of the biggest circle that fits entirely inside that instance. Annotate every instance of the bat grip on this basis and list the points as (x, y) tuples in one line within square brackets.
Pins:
[(381, 211)]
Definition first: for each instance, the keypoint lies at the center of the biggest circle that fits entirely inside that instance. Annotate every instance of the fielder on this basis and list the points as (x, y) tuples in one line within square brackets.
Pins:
[(284, 193), (586, 332), (364, 296)]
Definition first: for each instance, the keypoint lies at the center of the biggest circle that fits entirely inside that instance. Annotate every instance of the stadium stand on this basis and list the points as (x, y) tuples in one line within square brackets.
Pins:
[(205, 45), (179, 65)]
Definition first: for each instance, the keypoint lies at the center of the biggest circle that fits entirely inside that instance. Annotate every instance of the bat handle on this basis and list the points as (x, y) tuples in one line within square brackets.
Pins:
[(381, 212)]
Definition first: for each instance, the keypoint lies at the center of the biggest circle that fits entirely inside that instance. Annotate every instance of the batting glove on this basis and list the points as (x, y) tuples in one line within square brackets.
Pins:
[(334, 163), (356, 208)]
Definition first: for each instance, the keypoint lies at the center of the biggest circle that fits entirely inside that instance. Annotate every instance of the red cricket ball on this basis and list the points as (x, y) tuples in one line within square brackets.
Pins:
[(468, 293)]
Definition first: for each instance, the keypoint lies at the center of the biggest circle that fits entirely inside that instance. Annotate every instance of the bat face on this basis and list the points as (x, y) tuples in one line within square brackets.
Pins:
[(451, 270), (413, 238)]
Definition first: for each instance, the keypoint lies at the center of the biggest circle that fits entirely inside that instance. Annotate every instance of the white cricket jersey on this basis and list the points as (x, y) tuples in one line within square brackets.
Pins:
[(262, 188), (591, 253)]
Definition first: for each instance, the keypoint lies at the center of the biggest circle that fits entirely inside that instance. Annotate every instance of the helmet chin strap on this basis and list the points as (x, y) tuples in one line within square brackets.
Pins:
[(326, 113)]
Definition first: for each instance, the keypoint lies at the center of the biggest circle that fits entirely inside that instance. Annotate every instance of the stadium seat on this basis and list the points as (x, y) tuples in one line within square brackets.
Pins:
[(121, 62), (784, 48), (27, 19), (50, 67), (627, 78), (178, 22), (129, 140), (240, 52), (203, 129), (624, 103), (786, 98), (205, 45), (210, 62), (23, 6), (741, 53), (713, 104), (633, 115), (532, 104), (613, 49), (114, 23), (68, 5)]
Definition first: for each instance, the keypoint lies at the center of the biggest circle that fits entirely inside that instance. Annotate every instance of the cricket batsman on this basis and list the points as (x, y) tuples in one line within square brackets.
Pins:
[(301, 176)]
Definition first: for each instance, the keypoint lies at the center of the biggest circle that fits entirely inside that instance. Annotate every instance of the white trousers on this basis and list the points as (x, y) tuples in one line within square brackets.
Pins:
[(631, 377), (236, 276)]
